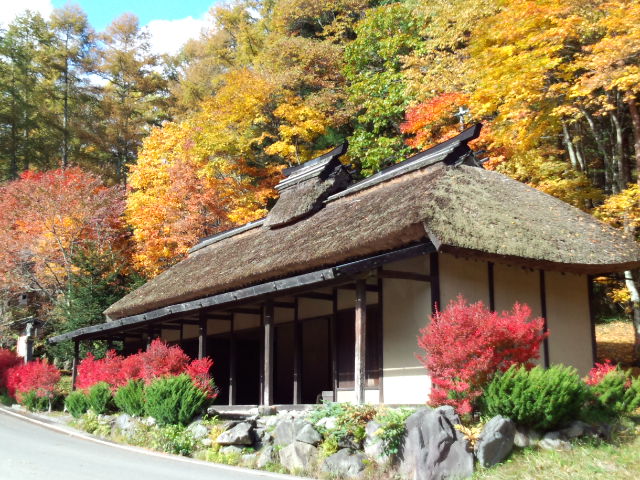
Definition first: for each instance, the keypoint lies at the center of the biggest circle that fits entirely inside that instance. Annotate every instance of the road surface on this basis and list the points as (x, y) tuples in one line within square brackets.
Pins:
[(33, 452)]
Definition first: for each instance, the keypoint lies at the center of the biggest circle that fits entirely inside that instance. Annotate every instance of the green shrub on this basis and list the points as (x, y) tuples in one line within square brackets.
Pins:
[(6, 399), (32, 402), (174, 439), (100, 399), (130, 398), (174, 400), (392, 429), (616, 394), (76, 404), (538, 398)]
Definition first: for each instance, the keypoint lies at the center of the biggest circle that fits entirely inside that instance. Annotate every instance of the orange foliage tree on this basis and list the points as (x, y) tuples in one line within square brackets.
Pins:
[(48, 217)]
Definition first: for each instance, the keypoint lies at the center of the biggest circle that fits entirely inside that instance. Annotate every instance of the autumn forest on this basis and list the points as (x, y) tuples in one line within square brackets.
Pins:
[(114, 161)]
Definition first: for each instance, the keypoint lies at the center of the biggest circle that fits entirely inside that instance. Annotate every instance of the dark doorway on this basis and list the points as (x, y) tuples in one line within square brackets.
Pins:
[(283, 368), (247, 378), (316, 359), (218, 349)]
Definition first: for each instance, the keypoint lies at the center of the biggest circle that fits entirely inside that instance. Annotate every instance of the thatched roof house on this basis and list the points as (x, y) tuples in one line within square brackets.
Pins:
[(435, 225)]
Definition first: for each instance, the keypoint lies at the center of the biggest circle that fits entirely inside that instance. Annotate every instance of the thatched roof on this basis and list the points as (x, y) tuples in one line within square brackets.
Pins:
[(460, 208)]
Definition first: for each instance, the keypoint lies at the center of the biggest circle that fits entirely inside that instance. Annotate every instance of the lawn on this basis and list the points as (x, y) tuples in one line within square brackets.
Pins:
[(588, 460)]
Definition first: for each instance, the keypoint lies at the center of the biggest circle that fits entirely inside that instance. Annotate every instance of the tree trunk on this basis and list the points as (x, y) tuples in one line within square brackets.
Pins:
[(635, 304), (635, 122), (621, 164), (601, 146), (569, 144)]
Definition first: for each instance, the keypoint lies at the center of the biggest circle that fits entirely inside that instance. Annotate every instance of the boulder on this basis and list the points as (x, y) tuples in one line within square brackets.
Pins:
[(231, 450), (266, 457), (575, 429), (433, 449), (267, 410), (238, 435), (198, 430), (344, 464), (373, 446), (126, 423), (495, 441), (308, 434), (554, 441), (298, 456), (149, 421), (284, 433), (328, 423), (525, 437)]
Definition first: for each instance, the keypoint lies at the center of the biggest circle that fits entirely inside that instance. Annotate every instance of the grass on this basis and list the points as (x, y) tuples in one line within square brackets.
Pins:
[(588, 460)]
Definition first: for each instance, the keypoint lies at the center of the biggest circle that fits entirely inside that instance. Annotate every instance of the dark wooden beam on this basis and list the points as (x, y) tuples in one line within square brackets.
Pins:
[(492, 291), (543, 312), (334, 344), (232, 365), (592, 318), (268, 353), (360, 346), (380, 338), (74, 365), (397, 274), (170, 327), (434, 273), (316, 296), (202, 336), (352, 286), (297, 356), (249, 311), (292, 305)]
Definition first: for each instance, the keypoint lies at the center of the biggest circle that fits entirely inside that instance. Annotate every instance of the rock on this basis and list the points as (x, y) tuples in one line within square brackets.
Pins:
[(553, 441), (298, 456), (198, 430), (211, 411), (206, 442), (248, 459), (433, 449), (373, 446), (496, 441), (344, 464), (267, 410), (266, 457), (525, 438), (308, 434), (238, 435), (284, 433), (328, 423), (575, 429), (231, 450), (126, 423), (149, 421)]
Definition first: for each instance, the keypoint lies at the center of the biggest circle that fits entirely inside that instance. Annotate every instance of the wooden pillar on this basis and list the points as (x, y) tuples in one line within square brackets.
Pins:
[(297, 355), (361, 332), (267, 315), (592, 318), (492, 292), (434, 273), (380, 337), (74, 366), (543, 312), (333, 326), (232, 364), (202, 335)]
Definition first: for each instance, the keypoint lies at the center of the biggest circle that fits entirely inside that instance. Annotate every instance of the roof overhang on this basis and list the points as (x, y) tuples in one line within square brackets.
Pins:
[(256, 293)]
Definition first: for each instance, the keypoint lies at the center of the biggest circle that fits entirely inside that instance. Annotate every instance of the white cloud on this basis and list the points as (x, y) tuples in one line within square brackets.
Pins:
[(167, 36), (10, 9)]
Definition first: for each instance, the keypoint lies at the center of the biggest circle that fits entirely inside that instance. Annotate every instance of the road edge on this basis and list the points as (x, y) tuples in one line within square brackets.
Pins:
[(72, 432)]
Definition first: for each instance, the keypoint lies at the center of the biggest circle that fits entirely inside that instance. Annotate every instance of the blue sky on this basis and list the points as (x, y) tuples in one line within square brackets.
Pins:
[(170, 22)]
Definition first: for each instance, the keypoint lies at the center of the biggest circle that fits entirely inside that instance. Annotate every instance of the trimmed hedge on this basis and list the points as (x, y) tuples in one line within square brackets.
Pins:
[(76, 404), (100, 399), (174, 400), (130, 398)]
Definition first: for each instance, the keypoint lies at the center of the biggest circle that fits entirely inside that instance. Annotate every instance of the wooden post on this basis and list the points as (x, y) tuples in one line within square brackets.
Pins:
[(297, 356), (334, 344), (543, 312), (361, 332), (202, 335), (267, 314), (74, 366), (592, 318), (232, 364), (492, 294), (434, 273)]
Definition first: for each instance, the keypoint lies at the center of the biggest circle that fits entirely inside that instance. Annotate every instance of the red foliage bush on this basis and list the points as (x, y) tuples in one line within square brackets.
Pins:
[(465, 345), (39, 376), (160, 360), (8, 359), (598, 372)]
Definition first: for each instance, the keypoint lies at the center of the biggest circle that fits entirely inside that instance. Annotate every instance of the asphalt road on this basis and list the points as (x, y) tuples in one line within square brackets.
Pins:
[(30, 451)]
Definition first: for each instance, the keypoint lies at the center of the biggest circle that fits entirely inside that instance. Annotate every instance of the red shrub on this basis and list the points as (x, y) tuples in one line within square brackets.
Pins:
[(8, 359), (199, 370), (465, 345), (39, 376), (598, 372), (107, 369), (160, 360)]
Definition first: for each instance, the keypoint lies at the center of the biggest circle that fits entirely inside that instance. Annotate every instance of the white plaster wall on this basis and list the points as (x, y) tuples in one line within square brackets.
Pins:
[(310, 307), (568, 320), (463, 276), (347, 298), (406, 309), (170, 335), (370, 396), (191, 331), (216, 326), (244, 321), (283, 315)]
